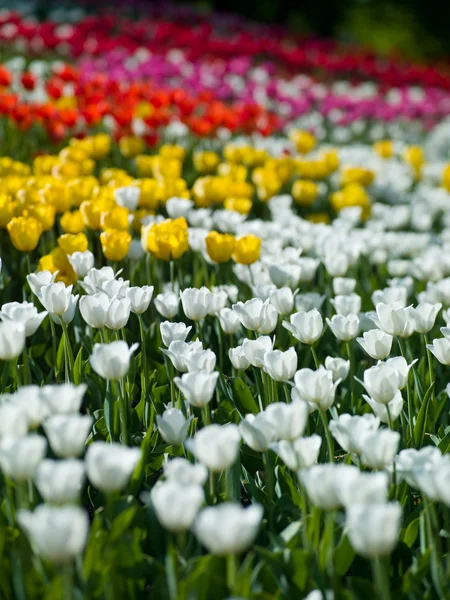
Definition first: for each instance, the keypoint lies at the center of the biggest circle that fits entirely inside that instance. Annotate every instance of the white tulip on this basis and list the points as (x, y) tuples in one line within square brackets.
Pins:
[(60, 481), (316, 387), (140, 298), (182, 471), (379, 447), (127, 196), (381, 382), (395, 407), (94, 309), (173, 426), (216, 446), (401, 366), (306, 327), (112, 361), (55, 297), (347, 305), (367, 488), (115, 288), (24, 313), (373, 529), (339, 367), (171, 332), (323, 483), (217, 301), (410, 462), (12, 339), (176, 505), (63, 398), (255, 350), (28, 399), (257, 432), (57, 534), (37, 281), (283, 300), (441, 350), (69, 315), (167, 304), (392, 318), (257, 315), (228, 528), (343, 286), (196, 303), (201, 360), (178, 207), (178, 352), (19, 457), (67, 433), (13, 421), (424, 316), (288, 420), (280, 366), (376, 343), (285, 275), (336, 264), (345, 328), (309, 268), (82, 262), (198, 387), (110, 466), (350, 430), (389, 295), (229, 321), (299, 454), (238, 359), (118, 313), (95, 278)]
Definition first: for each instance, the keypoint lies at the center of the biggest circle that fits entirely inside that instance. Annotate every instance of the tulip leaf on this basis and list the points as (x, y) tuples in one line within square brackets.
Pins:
[(411, 532), (343, 556), (243, 397), (421, 423), (77, 367), (300, 561)]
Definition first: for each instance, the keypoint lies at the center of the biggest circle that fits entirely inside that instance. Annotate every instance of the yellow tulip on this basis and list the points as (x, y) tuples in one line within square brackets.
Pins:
[(115, 244), (304, 141), (357, 175), (72, 222), (6, 209), (73, 242), (353, 194), (172, 151), (305, 192), (247, 249), (44, 213), (205, 162), (384, 148), (144, 165), (116, 218), (131, 146), (25, 233), (167, 240), (240, 205), (220, 246)]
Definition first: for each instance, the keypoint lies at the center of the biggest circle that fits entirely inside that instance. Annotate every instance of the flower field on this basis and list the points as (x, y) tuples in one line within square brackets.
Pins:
[(225, 312)]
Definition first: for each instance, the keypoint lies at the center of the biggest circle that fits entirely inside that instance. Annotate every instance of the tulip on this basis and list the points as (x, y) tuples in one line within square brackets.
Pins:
[(247, 249), (316, 387), (306, 327), (110, 466), (118, 313), (257, 315), (411, 462), (255, 350), (350, 430), (28, 399), (336, 264), (60, 482), (229, 321), (389, 295), (20, 457), (178, 352), (216, 446), (140, 298), (302, 453), (344, 328), (37, 281), (127, 196), (115, 243), (308, 301), (395, 407), (196, 303), (173, 426), (182, 471), (69, 314), (392, 318), (178, 207), (347, 305), (401, 366), (55, 297), (339, 367), (238, 358), (379, 447), (171, 332), (25, 233), (25, 313), (94, 309), (64, 398), (82, 262), (217, 301), (309, 268), (13, 421), (167, 304), (176, 505), (95, 278), (12, 339), (201, 360), (343, 286), (381, 382), (198, 387), (67, 433), (376, 343), (220, 247), (367, 488), (285, 275), (373, 529), (441, 350), (257, 432), (280, 366), (283, 300), (424, 316), (323, 483), (112, 361), (57, 534), (228, 528), (288, 420)]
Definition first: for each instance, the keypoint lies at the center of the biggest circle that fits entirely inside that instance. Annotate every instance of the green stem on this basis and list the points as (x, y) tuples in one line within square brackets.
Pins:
[(171, 570), (68, 349), (430, 366), (123, 413), (67, 579), (269, 485), (5, 375), (54, 351), (26, 367), (330, 443), (206, 415), (316, 360), (380, 579), (351, 374), (232, 569)]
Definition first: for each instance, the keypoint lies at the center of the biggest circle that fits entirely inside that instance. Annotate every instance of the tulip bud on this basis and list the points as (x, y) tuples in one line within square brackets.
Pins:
[(376, 343), (441, 350), (171, 332), (63, 398), (257, 432), (283, 300), (373, 529), (229, 321), (140, 298), (379, 447), (24, 313), (198, 387), (12, 339), (37, 281), (255, 350), (347, 305), (350, 430), (176, 505), (302, 453), (112, 361), (306, 327), (55, 297), (238, 359), (82, 262), (316, 387), (288, 420), (339, 367), (179, 351), (182, 471), (110, 466), (196, 303), (67, 433), (323, 483), (60, 482), (216, 446), (20, 457), (94, 309), (173, 426), (381, 382), (167, 304), (345, 328), (280, 366), (118, 313)]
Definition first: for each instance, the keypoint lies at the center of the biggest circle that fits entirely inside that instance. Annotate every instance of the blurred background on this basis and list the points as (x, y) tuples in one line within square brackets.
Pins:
[(414, 28)]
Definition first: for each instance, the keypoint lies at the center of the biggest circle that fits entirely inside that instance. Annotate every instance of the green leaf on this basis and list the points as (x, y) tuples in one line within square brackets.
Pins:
[(420, 426), (243, 397), (300, 561), (77, 367), (343, 556)]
